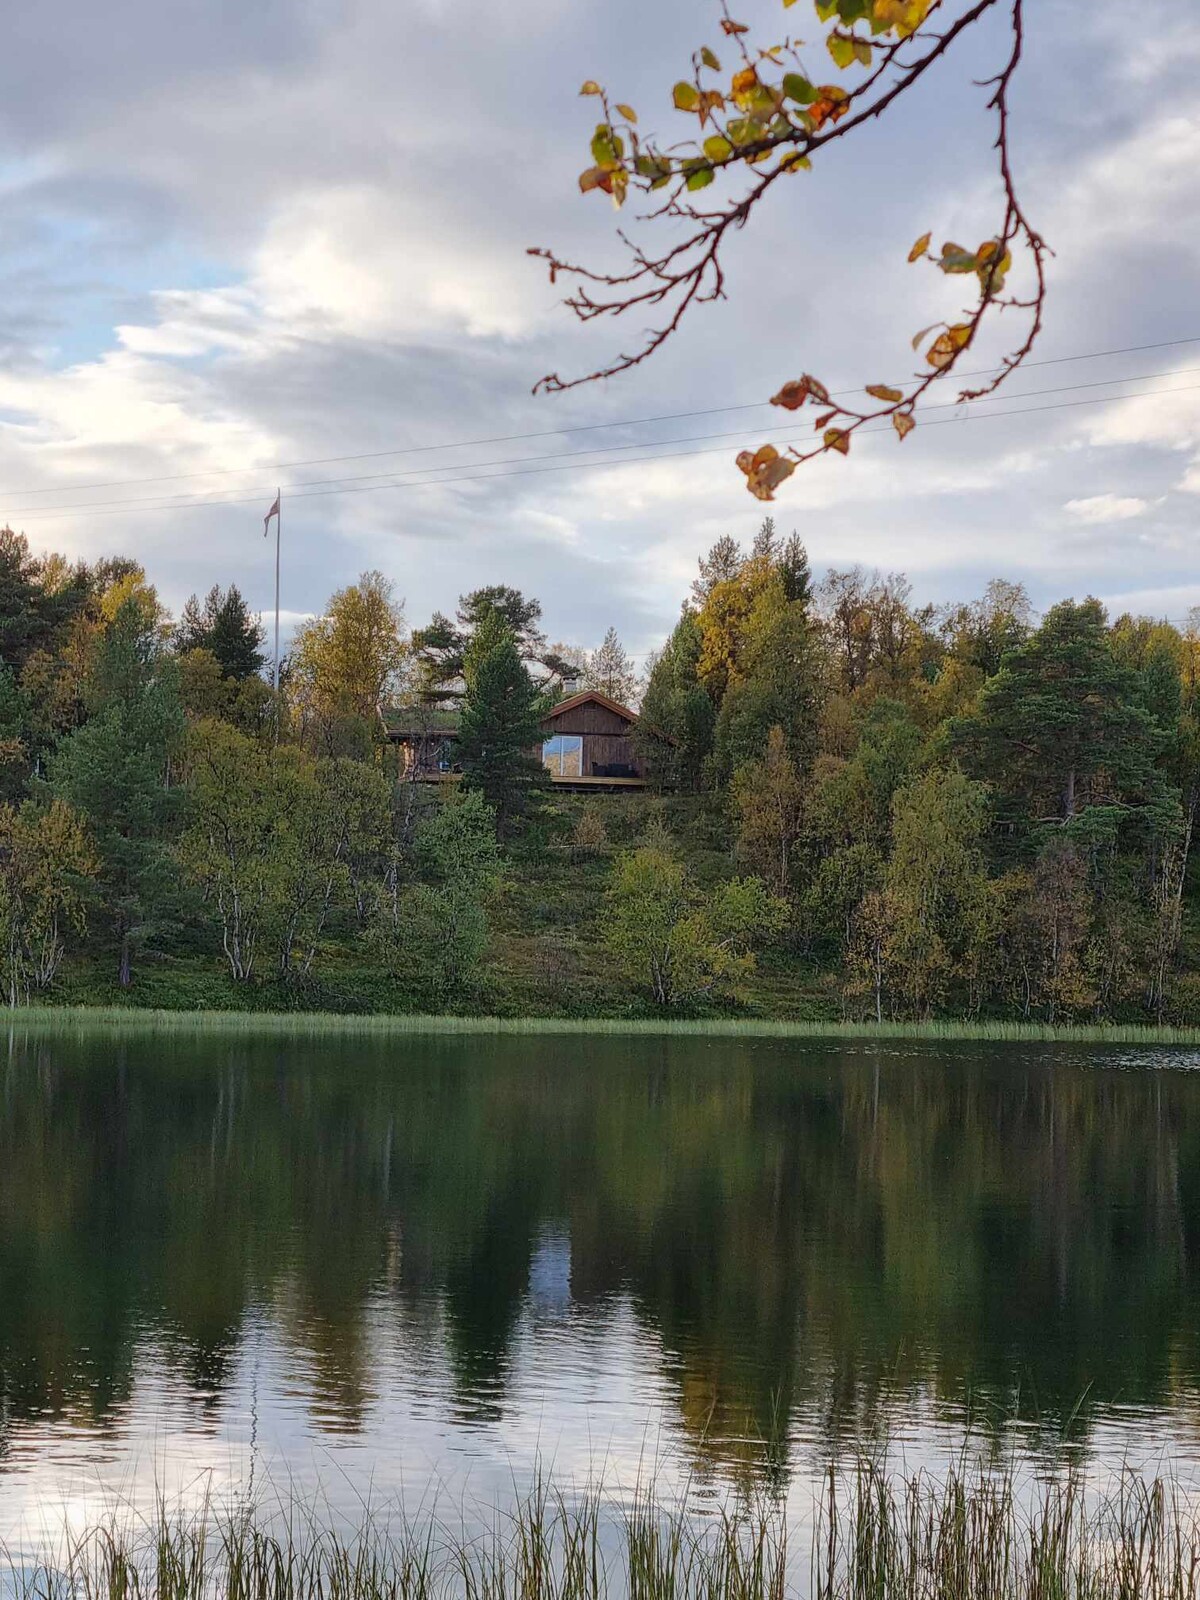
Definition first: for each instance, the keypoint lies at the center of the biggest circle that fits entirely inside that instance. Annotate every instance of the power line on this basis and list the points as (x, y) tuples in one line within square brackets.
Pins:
[(183, 503), (551, 433), (51, 514)]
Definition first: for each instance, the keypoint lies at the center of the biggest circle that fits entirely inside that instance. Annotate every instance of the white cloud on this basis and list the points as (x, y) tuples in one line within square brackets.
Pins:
[(1168, 420), (372, 292), (1107, 507)]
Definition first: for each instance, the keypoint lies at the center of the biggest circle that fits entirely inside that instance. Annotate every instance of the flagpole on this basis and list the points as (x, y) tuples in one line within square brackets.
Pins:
[(278, 528)]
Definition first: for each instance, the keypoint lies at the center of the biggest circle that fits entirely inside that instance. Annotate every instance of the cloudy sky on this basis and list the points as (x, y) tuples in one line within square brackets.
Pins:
[(240, 233)]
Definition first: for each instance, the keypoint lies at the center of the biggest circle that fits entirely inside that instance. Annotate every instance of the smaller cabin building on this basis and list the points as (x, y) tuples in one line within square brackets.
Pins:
[(587, 743)]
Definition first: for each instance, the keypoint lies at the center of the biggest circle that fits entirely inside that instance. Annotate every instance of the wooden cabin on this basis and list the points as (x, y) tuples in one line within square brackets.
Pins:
[(587, 743)]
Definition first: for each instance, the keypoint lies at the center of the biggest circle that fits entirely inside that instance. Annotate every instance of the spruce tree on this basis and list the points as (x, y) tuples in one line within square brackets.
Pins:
[(795, 570), (114, 770), (227, 628), (675, 725), (766, 543), (500, 733), (723, 562), (610, 671)]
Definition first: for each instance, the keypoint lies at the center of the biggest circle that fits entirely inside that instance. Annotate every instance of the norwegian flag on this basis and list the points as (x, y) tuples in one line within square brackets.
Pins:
[(274, 512)]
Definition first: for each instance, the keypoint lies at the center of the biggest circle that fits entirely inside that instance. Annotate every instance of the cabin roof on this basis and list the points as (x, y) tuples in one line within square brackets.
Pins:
[(419, 722), (590, 696), (425, 722)]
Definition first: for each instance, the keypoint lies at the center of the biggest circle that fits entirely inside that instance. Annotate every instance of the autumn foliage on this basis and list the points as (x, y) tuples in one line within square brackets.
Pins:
[(760, 118)]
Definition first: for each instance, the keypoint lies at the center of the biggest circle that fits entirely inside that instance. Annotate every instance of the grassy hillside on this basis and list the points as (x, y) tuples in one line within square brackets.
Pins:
[(547, 957)]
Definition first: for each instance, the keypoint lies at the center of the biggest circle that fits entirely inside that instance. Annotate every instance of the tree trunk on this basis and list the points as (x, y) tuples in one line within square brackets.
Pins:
[(125, 966)]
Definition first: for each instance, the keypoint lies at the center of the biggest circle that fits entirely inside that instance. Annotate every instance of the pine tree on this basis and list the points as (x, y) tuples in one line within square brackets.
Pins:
[(441, 648), (1060, 728), (500, 733), (610, 671)]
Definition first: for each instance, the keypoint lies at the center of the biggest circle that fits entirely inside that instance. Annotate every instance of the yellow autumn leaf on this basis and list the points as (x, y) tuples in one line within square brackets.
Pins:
[(903, 422), (765, 470), (920, 248), (947, 345), (881, 391), (591, 87), (628, 113), (837, 439)]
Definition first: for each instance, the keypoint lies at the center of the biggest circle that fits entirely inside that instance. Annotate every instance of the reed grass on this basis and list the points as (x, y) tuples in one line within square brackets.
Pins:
[(962, 1535), (319, 1025), (548, 1547), (973, 1538)]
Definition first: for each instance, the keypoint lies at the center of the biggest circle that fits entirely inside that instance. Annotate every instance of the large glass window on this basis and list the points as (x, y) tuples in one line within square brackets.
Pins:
[(563, 755)]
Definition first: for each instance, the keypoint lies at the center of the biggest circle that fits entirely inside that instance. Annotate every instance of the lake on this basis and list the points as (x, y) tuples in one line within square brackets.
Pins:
[(427, 1269)]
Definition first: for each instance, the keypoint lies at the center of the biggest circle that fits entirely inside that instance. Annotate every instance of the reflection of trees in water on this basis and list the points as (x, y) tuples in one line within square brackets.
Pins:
[(805, 1234)]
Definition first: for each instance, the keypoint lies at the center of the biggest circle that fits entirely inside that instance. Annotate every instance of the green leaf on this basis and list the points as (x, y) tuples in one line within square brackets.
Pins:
[(825, 9), (653, 166), (699, 174), (717, 148), (686, 96), (956, 259), (840, 48), (710, 60), (799, 89), (607, 147)]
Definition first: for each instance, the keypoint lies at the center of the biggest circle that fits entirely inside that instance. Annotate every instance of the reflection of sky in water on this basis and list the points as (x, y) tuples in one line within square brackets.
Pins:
[(588, 1399), (419, 1278)]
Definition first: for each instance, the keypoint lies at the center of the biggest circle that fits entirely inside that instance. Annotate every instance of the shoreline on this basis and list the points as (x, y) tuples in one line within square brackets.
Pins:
[(301, 1024)]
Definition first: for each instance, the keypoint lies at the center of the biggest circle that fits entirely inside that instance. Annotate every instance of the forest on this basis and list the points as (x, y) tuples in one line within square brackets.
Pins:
[(859, 805)]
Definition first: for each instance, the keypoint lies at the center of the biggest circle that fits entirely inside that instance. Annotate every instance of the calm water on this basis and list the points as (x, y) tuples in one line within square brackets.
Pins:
[(422, 1268)]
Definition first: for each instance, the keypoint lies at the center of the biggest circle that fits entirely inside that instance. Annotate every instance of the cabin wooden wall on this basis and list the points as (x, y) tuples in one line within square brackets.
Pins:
[(587, 718), (603, 750)]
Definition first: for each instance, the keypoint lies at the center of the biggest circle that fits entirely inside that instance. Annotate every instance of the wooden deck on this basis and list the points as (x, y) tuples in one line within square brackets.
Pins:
[(597, 783), (555, 780)]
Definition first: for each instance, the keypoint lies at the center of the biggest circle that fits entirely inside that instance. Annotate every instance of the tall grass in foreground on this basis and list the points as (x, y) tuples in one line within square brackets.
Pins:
[(318, 1025), (877, 1537), (925, 1538)]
